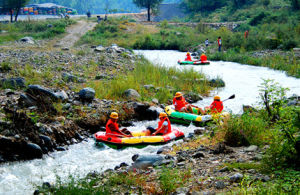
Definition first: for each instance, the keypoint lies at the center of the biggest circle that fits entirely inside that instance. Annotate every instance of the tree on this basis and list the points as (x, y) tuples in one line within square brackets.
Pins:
[(203, 5), (295, 4), (13, 7), (149, 4)]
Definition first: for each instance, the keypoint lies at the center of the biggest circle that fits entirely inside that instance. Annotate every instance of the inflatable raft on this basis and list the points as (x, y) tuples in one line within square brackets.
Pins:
[(188, 118), (138, 138), (193, 62)]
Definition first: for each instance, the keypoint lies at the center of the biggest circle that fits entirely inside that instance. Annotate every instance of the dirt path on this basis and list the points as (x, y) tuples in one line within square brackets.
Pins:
[(75, 32)]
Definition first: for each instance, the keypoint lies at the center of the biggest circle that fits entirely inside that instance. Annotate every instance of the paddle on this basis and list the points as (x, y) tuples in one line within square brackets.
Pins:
[(231, 97)]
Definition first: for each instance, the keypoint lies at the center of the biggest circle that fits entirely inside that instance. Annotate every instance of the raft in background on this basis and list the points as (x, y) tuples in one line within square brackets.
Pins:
[(139, 138), (193, 63), (188, 118)]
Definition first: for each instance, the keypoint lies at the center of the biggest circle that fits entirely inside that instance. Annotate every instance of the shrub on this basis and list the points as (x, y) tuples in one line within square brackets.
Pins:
[(258, 18)]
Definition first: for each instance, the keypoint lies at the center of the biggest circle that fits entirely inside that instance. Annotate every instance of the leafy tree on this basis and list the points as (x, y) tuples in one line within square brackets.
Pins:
[(149, 4), (295, 4), (13, 7)]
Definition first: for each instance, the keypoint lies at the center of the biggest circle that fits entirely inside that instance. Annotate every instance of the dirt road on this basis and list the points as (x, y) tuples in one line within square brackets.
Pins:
[(74, 33)]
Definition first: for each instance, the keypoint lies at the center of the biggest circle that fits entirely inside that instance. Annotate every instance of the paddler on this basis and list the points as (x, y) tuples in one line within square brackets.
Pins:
[(188, 57), (164, 125), (112, 127), (215, 107), (203, 58), (180, 104)]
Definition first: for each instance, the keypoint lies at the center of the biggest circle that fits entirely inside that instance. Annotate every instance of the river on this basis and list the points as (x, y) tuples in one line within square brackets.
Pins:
[(85, 157)]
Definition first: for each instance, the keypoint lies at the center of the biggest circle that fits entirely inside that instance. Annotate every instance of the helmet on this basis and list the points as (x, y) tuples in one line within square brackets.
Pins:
[(178, 94), (162, 114), (217, 97), (114, 115), (203, 54), (188, 53)]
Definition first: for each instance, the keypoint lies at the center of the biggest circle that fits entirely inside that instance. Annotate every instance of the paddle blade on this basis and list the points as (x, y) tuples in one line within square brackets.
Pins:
[(232, 97)]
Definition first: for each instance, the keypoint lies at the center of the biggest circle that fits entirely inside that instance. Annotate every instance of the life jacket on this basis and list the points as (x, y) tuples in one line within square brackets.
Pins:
[(179, 104), (112, 128), (203, 58), (219, 42), (188, 58), (165, 129), (216, 107)]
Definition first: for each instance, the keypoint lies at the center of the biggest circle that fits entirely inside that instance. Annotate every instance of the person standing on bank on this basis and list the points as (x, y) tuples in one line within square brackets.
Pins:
[(206, 42), (219, 43)]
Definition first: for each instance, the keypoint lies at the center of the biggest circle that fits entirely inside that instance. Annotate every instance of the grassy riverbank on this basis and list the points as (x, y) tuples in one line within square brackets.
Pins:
[(285, 61), (270, 169), (162, 82), (36, 29)]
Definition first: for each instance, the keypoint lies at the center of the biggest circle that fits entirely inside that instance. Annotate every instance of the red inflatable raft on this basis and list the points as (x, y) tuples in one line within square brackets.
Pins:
[(141, 137)]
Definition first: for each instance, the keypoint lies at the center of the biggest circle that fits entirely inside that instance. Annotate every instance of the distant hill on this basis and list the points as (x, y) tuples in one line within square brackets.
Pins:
[(99, 6)]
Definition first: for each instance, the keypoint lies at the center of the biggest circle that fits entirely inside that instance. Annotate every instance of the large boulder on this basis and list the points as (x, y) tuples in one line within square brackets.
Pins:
[(217, 83), (62, 95), (26, 101), (100, 48), (33, 151), (131, 94), (87, 94), (13, 83), (37, 90), (71, 78), (193, 97), (28, 40), (145, 161), (145, 112)]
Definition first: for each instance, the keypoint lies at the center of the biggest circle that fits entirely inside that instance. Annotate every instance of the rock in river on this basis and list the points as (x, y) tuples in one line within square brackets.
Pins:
[(33, 151)]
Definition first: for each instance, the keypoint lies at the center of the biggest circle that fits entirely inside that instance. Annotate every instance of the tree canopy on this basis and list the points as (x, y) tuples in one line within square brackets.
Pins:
[(149, 4), (13, 7)]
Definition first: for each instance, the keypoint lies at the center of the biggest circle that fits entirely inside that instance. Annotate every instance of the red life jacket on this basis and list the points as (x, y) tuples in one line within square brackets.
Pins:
[(112, 128), (216, 107), (203, 58), (179, 103), (219, 42), (188, 58), (165, 129)]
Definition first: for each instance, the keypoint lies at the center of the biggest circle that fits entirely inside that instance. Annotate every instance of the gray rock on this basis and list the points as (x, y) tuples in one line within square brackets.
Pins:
[(33, 151), (182, 190), (209, 193), (155, 101), (193, 97), (87, 94), (26, 101), (67, 77), (65, 49), (67, 106), (217, 83), (145, 161), (149, 87), (220, 185), (13, 83), (251, 148), (37, 90), (62, 95), (100, 48), (60, 149), (236, 177), (198, 155), (131, 94), (199, 131), (163, 149), (265, 178), (224, 169), (28, 40)]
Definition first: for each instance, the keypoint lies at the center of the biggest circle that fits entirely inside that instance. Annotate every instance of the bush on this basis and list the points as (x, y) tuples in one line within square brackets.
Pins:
[(258, 18)]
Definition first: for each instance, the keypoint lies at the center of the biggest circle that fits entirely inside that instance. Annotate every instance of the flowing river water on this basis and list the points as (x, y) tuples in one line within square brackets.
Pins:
[(85, 157)]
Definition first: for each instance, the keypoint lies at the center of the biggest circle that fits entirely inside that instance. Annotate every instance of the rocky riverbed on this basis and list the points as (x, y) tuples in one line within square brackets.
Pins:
[(41, 110)]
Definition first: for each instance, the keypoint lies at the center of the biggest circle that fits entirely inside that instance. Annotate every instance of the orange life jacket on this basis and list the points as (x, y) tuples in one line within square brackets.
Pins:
[(188, 58), (165, 129), (179, 103), (216, 107), (203, 58), (112, 128)]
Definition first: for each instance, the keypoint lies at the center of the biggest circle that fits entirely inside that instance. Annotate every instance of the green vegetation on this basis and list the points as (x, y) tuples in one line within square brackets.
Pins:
[(166, 182), (276, 125), (165, 82), (286, 62), (36, 29)]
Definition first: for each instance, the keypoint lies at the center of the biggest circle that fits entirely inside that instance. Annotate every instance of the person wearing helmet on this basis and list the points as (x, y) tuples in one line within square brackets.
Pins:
[(112, 127), (203, 58), (164, 125), (215, 107), (180, 104), (188, 57)]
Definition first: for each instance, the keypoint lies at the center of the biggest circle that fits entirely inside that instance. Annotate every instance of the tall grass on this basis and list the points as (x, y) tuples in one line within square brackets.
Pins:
[(165, 80), (288, 63), (36, 29)]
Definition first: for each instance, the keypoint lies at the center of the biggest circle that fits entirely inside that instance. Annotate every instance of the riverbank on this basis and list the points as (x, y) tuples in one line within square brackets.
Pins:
[(212, 160)]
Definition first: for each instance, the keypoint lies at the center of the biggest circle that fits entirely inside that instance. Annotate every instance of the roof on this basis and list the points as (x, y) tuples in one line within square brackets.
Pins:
[(46, 5)]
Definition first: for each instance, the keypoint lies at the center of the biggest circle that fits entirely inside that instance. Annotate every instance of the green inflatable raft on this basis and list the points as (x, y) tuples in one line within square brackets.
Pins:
[(188, 118), (193, 63)]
